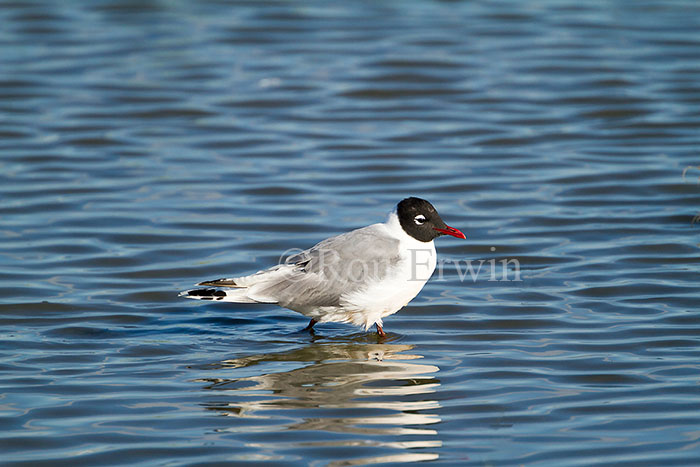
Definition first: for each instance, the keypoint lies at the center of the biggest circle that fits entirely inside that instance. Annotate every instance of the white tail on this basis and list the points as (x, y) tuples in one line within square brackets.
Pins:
[(246, 289)]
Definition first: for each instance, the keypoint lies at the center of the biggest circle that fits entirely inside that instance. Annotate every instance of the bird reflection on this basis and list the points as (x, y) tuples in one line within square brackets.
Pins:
[(376, 394)]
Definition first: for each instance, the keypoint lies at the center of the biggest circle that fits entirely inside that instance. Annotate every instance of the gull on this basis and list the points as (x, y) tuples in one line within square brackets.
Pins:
[(358, 277)]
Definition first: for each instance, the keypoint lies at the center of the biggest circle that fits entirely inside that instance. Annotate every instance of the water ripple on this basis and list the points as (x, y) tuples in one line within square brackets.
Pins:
[(146, 146)]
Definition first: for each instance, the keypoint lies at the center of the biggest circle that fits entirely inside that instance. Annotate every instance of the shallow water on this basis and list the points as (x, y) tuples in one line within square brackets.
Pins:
[(146, 146)]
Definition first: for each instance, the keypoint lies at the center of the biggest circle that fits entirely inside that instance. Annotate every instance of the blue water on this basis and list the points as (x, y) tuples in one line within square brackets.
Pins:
[(146, 146)]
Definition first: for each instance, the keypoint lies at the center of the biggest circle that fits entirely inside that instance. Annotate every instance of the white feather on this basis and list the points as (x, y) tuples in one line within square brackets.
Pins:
[(319, 283)]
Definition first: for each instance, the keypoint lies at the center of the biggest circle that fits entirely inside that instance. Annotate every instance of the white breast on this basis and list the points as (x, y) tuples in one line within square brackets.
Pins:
[(383, 298)]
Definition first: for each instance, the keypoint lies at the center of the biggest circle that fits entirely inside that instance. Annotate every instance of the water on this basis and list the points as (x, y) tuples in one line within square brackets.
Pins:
[(145, 146)]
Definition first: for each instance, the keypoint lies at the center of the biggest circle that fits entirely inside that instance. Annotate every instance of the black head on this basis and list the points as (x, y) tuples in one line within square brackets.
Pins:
[(420, 220)]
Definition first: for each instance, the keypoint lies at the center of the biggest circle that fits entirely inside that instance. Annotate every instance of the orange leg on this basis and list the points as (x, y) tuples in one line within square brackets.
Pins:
[(380, 331), (310, 327)]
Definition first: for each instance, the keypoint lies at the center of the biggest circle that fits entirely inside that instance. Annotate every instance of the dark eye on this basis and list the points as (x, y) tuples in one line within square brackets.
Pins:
[(419, 219)]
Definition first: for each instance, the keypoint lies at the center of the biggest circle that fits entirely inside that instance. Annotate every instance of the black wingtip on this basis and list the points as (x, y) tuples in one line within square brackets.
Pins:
[(223, 282), (205, 294)]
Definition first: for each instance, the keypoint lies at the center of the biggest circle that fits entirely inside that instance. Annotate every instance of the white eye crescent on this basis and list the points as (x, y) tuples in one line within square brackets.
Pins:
[(419, 219)]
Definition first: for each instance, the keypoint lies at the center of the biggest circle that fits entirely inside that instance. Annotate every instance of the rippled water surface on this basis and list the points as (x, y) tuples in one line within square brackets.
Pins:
[(145, 146)]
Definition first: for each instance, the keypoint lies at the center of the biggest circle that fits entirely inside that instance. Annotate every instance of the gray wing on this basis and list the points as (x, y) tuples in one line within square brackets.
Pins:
[(334, 267)]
